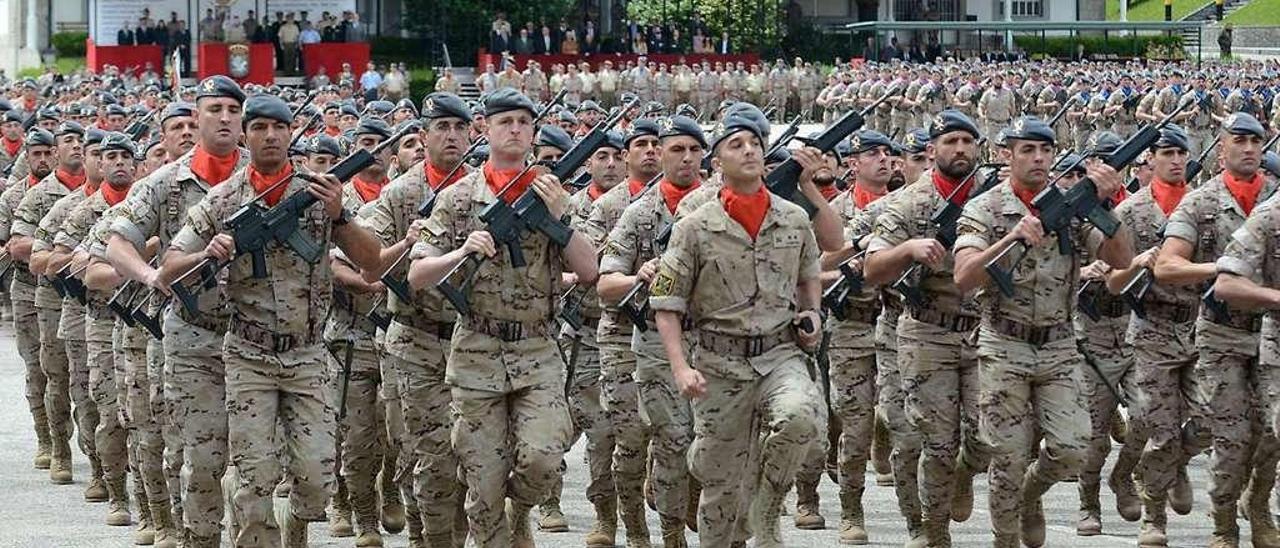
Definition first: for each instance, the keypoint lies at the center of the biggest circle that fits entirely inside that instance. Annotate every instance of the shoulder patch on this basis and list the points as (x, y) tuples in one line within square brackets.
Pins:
[(662, 285)]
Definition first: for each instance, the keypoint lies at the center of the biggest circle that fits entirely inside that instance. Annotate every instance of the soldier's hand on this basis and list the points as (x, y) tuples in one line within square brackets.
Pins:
[(328, 189), (1095, 270), (221, 247), (1106, 178), (690, 383), (555, 196), (810, 160), (1147, 259), (648, 270), (152, 247), (1029, 230), (808, 339), (926, 251), (415, 231), (480, 241), (155, 281), (374, 288)]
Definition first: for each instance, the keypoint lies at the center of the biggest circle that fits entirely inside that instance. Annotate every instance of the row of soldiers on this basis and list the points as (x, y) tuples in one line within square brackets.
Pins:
[(438, 340)]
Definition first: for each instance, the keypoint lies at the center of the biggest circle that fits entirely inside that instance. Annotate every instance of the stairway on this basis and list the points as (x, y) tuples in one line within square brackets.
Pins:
[(1191, 37), (466, 77)]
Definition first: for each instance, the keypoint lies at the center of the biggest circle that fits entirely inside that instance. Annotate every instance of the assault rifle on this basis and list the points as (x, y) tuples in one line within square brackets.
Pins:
[(1194, 167)]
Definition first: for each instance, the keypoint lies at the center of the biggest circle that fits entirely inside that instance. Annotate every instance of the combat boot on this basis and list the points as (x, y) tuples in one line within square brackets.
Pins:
[(166, 533), (1128, 505), (43, 448), (145, 533), (605, 530), (764, 515), (1033, 532), (96, 491), (937, 533), (552, 520), (294, 532), (962, 495), (1226, 532), (881, 448), (284, 487), (1154, 524), (60, 471), (340, 521), (1090, 523), (518, 520), (633, 519), (118, 506), (1119, 428), (915, 533), (1180, 495), (673, 532), (808, 515), (691, 508), (393, 519), (853, 528), (1262, 528)]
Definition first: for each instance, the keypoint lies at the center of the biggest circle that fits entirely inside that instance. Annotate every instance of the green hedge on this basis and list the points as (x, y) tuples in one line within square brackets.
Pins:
[(421, 82), (393, 49), (69, 44), (1125, 46)]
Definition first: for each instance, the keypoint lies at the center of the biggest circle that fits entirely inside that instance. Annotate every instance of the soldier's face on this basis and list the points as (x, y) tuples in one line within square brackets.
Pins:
[(40, 158), (642, 157), (954, 153), (378, 168), (606, 166), (179, 135), (115, 122), (1029, 162), (320, 163), (913, 165), (156, 157), (93, 162), (681, 158), (444, 140), (117, 168), (875, 166), (219, 120), (70, 152), (347, 121), (740, 157), (1169, 164), (410, 151), (330, 117), (1241, 154), (510, 134), (547, 155), (12, 130), (268, 142)]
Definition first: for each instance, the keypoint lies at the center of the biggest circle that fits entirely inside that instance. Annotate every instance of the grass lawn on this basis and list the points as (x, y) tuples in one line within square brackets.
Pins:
[(1257, 13), (1152, 10), (66, 65)]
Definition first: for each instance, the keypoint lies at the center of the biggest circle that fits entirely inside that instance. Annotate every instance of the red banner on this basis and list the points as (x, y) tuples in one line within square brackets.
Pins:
[(618, 59), (215, 58), (331, 55), (126, 58)]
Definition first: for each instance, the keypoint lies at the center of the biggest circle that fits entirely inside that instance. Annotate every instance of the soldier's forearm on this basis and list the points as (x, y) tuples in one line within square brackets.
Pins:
[(672, 333), (886, 265), (126, 260), (100, 276), (1241, 292)]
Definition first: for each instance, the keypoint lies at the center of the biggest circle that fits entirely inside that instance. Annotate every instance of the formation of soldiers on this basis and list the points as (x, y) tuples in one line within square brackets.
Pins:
[(285, 308)]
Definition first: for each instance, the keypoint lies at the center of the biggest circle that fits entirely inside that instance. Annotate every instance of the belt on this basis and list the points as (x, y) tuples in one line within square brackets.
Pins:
[(1176, 313), (262, 336), (1244, 322), (22, 273), (852, 312), (1031, 334), (207, 322), (441, 330), (744, 346), (957, 323), (98, 311), (892, 304), (506, 331), (1112, 308)]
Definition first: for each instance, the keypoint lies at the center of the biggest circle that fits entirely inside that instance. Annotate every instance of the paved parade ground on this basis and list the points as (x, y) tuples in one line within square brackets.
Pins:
[(35, 513)]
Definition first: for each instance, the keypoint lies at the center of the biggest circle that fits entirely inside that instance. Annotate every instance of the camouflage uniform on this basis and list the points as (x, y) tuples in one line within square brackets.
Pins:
[(35, 203), (995, 109), (191, 385), (275, 372), (416, 347), (1029, 370), (513, 424), (22, 289), (1122, 121), (1200, 126), (1227, 363), (938, 363), (740, 295), (708, 83)]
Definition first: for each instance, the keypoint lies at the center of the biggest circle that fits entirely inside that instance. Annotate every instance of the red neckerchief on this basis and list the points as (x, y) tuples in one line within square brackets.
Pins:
[(828, 192), (435, 176), (946, 186), (635, 186), (111, 195), (32, 180), (747, 209), (595, 191), (368, 190), (261, 182), (863, 197), (89, 188), (30, 104), (332, 131), (72, 181), (213, 169), (498, 178), (102, 125), (1119, 196), (672, 194), (1026, 195), (1245, 192), (1167, 195), (12, 147)]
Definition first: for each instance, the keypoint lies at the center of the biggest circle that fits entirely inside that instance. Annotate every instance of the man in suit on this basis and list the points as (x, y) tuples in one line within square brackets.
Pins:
[(723, 47), (523, 43), (125, 35), (142, 36), (499, 43), (546, 43)]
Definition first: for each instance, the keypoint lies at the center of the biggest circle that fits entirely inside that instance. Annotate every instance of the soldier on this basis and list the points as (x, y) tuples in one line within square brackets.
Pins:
[(748, 357), (10, 138), (607, 80), (682, 84), (936, 356), (36, 202), (519, 400), (997, 105), (535, 82), (1120, 106), (1197, 233), (778, 87), (193, 377), (619, 391), (708, 83), (1199, 118), (573, 85), (662, 86), (40, 149), (1026, 353), (642, 80)]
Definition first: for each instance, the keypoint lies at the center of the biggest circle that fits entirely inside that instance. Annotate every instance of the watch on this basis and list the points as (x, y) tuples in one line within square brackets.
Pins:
[(343, 218)]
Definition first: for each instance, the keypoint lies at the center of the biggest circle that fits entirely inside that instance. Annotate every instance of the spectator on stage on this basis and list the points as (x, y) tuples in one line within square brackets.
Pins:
[(250, 26), (523, 44), (346, 77), (309, 34), (181, 43), (320, 80), (500, 25), (209, 27), (446, 82), (724, 47), (260, 35), (639, 46), (356, 31), (289, 34), (590, 38), (370, 81), (700, 42), (124, 37), (676, 43), (546, 42), (570, 44), (273, 34), (235, 31), (142, 36)]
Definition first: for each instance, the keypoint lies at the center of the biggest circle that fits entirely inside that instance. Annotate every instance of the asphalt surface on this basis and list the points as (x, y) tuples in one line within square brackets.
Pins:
[(35, 513)]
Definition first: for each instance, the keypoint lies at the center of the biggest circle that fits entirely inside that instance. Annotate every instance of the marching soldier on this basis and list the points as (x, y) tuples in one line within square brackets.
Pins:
[(607, 80)]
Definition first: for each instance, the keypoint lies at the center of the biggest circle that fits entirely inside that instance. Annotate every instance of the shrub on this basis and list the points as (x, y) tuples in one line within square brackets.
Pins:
[(69, 44), (1157, 46)]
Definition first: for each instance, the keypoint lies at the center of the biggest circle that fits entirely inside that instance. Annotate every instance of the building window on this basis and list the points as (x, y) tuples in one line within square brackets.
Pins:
[(1022, 9)]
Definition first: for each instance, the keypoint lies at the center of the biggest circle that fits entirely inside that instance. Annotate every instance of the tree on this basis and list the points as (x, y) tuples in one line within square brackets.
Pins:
[(464, 24), (753, 25)]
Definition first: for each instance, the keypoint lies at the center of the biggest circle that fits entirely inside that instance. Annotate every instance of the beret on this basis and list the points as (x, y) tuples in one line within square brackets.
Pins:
[(1240, 123), (297, 148), (477, 110), (5, 105), (567, 117), (14, 116), (843, 149), (70, 127), (266, 106), (868, 139), (480, 155), (952, 120), (310, 110), (106, 98), (1102, 142), (685, 109), (641, 128), (40, 136), (1271, 163), (150, 145), (553, 136), (332, 105), (410, 123), (590, 105), (177, 109), (380, 107), (94, 136), (1070, 160), (49, 113), (348, 109), (372, 125), (654, 107), (323, 144), (675, 126), (613, 139), (915, 140), (507, 99), (1030, 128), (116, 110), (407, 103), (115, 140), (219, 86), (1172, 136)]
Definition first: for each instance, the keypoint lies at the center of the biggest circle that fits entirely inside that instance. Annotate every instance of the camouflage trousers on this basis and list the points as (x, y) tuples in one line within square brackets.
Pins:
[(1163, 421), (147, 443), (430, 463), (362, 432), (1103, 344), (84, 409), (266, 389), (852, 352), (707, 104), (510, 446), (1026, 388), (171, 446), (57, 390), (589, 420), (110, 436), (780, 100), (729, 422), (941, 380), (28, 342), (904, 457), (194, 392), (670, 420), (620, 398), (396, 460)]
